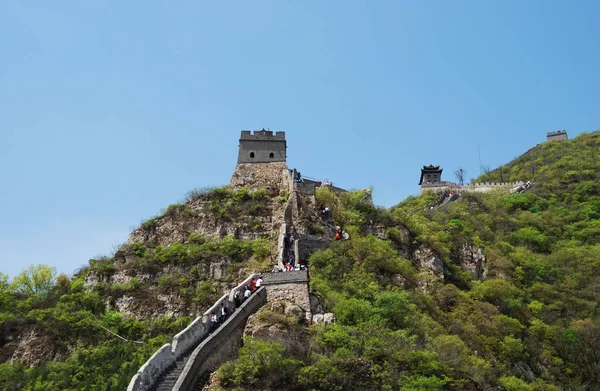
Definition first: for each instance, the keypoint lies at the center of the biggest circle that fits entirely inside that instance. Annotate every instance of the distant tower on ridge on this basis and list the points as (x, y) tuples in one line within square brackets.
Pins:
[(262, 147), (431, 174), (558, 135)]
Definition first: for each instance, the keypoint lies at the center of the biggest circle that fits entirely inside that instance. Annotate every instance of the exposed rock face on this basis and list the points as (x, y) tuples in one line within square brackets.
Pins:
[(34, 347), (317, 306), (199, 216), (471, 259), (429, 262), (401, 240), (273, 177), (325, 319), (152, 299), (200, 219), (328, 318), (294, 337)]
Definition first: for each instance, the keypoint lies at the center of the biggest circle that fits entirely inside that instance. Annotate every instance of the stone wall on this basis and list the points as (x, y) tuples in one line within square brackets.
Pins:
[(221, 346), (273, 177), (262, 147), (182, 343), (291, 287), (470, 188), (306, 187), (303, 248), (557, 136)]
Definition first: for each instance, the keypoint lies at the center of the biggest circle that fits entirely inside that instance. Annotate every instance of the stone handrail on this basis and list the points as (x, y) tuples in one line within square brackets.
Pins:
[(164, 357), (221, 345), (285, 277)]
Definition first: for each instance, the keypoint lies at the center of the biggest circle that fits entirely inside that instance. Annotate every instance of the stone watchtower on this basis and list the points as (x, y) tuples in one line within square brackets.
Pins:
[(430, 174), (262, 147), (558, 135)]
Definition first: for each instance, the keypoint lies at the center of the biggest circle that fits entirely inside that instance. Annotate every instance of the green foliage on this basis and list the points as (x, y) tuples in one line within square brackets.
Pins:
[(397, 327), (511, 383), (74, 320), (205, 294), (150, 223), (228, 204), (36, 280), (4, 283), (536, 307), (423, 383), (260, 248), (260, 362)]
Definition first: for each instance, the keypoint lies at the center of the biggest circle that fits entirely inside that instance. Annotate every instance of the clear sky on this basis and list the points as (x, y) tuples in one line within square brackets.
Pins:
[(110, 111)]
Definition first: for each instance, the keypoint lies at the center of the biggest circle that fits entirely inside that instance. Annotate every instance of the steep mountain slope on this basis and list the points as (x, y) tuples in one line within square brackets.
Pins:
[(494, 291)]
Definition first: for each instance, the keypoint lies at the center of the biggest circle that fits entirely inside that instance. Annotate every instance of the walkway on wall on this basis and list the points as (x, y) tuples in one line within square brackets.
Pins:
[(178, 376), (523, 188), (167, 380), (450, 198), (220, 346), (161, 370)]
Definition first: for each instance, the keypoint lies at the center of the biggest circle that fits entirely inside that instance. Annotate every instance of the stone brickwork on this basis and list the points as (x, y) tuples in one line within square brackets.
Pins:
[(291, 287), (471, 188), (262, 147), (273, 177), (160, 361), (221, 346), (309, 186), (304, 247), (557, 136)]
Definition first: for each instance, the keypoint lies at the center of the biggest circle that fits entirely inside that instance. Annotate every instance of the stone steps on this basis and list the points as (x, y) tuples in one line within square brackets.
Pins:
[(167, 380)]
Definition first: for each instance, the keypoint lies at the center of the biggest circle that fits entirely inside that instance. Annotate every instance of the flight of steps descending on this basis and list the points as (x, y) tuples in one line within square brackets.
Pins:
[(167, 380)]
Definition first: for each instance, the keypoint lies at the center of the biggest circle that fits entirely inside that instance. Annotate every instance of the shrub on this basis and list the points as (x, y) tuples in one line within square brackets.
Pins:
[(260, 195), (260, 248), (150, 224), (260, 362), (205, 294), (196, 238)]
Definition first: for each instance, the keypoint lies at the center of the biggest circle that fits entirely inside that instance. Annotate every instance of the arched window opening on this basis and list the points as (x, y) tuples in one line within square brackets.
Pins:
[(271, 155), (252, 155)]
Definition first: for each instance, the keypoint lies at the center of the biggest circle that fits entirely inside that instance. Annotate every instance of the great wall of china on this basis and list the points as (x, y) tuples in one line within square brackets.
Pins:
[(183, 364)]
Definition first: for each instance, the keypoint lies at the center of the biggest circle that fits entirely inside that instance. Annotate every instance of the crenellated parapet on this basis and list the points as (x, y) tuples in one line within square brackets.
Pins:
[(482, 187), (557, 135), (262, 146)]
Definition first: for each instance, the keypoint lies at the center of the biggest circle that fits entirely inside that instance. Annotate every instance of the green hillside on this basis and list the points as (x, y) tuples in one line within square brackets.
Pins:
[(531, 324), (528, 320)]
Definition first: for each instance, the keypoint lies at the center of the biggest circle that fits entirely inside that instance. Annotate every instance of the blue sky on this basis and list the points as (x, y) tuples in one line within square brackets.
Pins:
[(112, 110)]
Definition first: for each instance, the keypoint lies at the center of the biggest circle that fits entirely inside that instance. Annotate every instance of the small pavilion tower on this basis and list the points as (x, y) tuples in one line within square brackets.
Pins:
[(431, 174)]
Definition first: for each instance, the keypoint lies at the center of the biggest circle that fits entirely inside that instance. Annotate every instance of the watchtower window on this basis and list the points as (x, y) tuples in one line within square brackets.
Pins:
[(252, 155), (271, 155)]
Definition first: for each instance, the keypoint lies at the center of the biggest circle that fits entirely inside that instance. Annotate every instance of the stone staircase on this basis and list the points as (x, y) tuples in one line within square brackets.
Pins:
[(167, 380)]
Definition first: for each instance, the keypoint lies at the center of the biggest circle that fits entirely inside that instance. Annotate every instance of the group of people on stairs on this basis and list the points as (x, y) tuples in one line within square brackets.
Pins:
[(238, 297)]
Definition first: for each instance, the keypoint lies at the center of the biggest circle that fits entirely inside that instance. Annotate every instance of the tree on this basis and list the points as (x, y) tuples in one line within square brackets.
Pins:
[(34, 280), (460, 175), (3, 282)]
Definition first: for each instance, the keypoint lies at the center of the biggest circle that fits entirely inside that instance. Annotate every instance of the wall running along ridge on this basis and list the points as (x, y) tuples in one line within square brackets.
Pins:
[(164, 357), (221, 346), (472, 188)]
